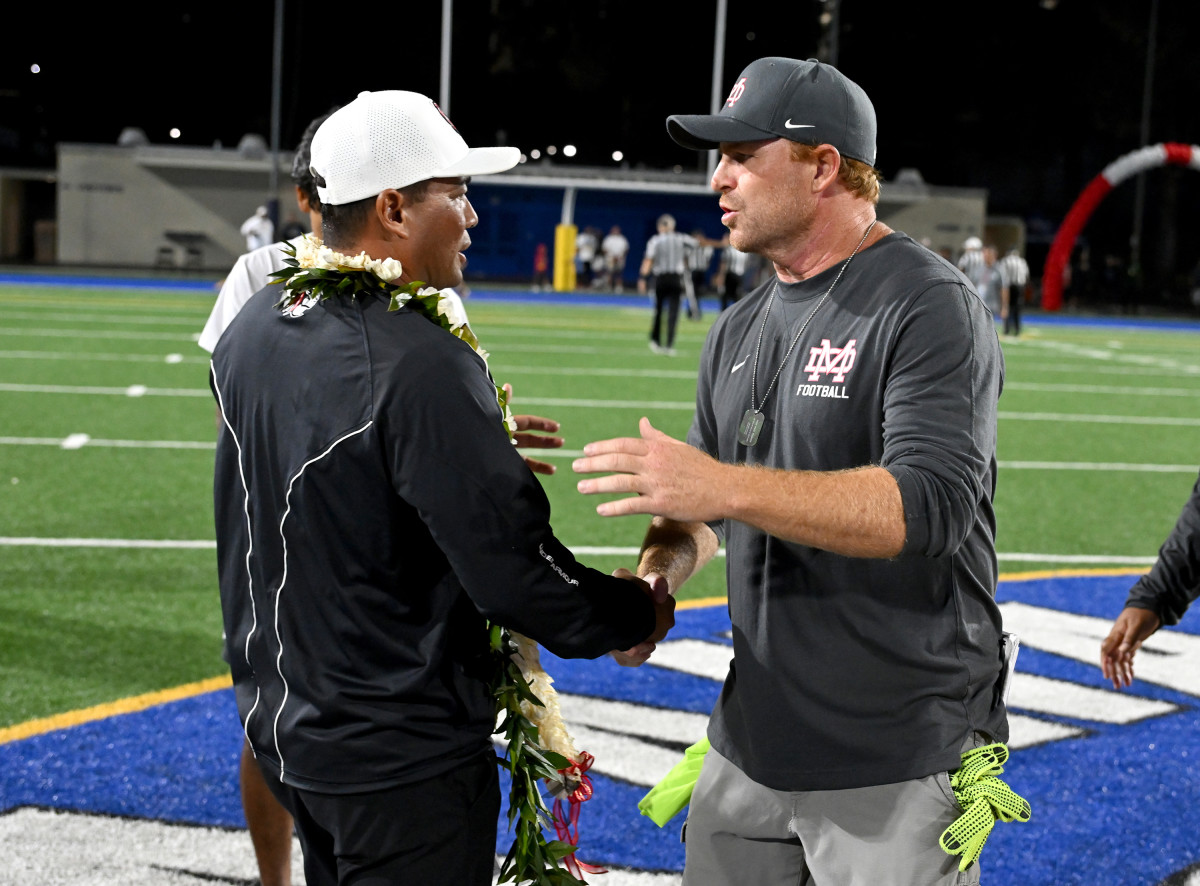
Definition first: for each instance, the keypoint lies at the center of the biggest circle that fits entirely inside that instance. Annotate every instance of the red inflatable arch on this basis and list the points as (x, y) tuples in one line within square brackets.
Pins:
[(1166, 154)]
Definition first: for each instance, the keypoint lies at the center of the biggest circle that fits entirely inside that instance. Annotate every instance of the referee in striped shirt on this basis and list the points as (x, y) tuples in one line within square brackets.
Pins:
[(666, 260), (1015, 271)]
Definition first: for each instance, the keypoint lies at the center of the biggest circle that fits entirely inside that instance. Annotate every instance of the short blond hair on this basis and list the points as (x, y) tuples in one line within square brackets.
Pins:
[(858, 178)]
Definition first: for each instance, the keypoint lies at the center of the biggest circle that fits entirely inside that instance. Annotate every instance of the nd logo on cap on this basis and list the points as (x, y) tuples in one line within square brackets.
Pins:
[(736, 93)]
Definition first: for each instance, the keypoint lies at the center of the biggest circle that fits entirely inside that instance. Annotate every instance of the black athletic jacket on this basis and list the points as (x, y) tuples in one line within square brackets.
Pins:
[(371, 512)]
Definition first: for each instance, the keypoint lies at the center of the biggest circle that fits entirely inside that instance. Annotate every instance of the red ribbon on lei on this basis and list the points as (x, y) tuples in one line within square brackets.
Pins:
[(566, 826)]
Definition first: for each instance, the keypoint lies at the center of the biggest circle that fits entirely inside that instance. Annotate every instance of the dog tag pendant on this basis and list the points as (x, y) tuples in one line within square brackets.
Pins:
[(750, 427)]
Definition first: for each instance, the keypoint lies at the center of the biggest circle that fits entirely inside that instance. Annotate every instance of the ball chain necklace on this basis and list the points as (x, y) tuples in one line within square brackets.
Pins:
[(752, 418)]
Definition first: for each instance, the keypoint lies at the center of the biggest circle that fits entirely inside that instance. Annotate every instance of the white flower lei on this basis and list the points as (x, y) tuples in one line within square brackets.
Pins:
[(334, 270)]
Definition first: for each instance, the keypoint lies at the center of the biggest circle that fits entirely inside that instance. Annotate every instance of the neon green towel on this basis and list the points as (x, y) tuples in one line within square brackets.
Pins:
[(668, 798), (985, 798)]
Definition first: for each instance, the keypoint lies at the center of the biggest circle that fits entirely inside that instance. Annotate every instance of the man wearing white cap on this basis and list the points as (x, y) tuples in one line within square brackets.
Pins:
[(258, 229), (373, 516), (971, 262), (844, 448)]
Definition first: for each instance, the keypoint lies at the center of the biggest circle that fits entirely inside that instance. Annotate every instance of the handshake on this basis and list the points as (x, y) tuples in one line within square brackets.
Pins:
[(664, 618), (660, 476)]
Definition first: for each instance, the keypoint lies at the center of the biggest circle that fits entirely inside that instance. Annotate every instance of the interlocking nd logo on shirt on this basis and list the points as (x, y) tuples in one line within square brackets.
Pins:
[(826, 360)]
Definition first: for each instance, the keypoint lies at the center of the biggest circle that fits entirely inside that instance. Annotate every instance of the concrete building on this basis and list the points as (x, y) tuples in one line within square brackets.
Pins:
[(136, 205)]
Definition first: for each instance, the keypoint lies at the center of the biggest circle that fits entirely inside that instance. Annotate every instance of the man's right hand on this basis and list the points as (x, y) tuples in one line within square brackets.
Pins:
[(664, 619)]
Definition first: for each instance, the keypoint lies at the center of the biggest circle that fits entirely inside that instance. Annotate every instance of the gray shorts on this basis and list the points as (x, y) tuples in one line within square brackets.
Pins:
[(740, 832)]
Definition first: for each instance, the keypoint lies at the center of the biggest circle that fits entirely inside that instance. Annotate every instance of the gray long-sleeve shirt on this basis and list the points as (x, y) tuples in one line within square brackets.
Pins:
[(850, 672)]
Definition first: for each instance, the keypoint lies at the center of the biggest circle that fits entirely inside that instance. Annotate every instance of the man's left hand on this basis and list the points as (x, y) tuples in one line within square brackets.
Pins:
[(525, 440)]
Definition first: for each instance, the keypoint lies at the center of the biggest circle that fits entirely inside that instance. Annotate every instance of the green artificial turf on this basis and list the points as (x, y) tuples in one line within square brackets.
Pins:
[(82, 624)]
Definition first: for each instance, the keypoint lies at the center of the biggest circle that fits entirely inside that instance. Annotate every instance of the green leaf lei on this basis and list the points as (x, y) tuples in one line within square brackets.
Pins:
[(532, 858), (314, 273)]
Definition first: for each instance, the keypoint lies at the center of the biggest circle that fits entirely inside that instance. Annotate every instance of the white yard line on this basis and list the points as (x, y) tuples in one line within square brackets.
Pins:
[(104, 357), (136, 317), (1114, 355), (568, 403), (1091, 369), (127, 391), (1101, 419), (1044, 387), (124, 543), (92, 334), (79, 440), (581, 550), (1107, 467)]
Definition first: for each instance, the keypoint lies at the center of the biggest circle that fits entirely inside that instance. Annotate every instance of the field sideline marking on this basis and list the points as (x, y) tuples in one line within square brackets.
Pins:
[(133, 704), (202, 358), (124, 543), (681, 405), (1098, 419), (1111, 467), (582, 550), (104, 356), (76, 441), (127, 391), (1048, 387), (92, 334), (130, 705), (1060, 388), (165, 319), (609, 404), (73, 441)]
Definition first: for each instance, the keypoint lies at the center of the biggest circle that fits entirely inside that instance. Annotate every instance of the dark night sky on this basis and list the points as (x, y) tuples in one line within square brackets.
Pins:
[(1028, 102)]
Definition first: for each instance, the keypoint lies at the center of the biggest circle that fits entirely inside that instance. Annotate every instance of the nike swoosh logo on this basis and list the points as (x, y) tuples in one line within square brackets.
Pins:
[(737, 366), (790, 125)]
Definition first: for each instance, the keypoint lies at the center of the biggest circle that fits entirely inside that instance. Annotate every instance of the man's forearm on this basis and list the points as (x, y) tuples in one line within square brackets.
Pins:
[(855, 513), (676, 551)]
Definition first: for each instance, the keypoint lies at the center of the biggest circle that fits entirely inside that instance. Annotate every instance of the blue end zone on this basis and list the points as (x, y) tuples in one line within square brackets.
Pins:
[(1115, 805)]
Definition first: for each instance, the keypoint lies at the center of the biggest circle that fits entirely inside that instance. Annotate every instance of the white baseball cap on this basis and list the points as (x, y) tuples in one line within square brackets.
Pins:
[(393, 139)]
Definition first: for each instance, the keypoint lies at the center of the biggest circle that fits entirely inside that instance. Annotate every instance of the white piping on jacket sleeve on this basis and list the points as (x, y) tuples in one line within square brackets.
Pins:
[(283, 581), (249, 539)]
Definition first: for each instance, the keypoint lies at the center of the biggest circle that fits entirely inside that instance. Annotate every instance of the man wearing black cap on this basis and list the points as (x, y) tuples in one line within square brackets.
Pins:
[(844, 449), (373, 516)]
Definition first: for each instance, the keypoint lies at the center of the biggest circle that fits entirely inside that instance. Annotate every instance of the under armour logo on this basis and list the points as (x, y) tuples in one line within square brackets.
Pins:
[(736, 93)]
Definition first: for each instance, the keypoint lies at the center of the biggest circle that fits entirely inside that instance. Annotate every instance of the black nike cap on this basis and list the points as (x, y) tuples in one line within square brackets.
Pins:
[(804, 101)]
